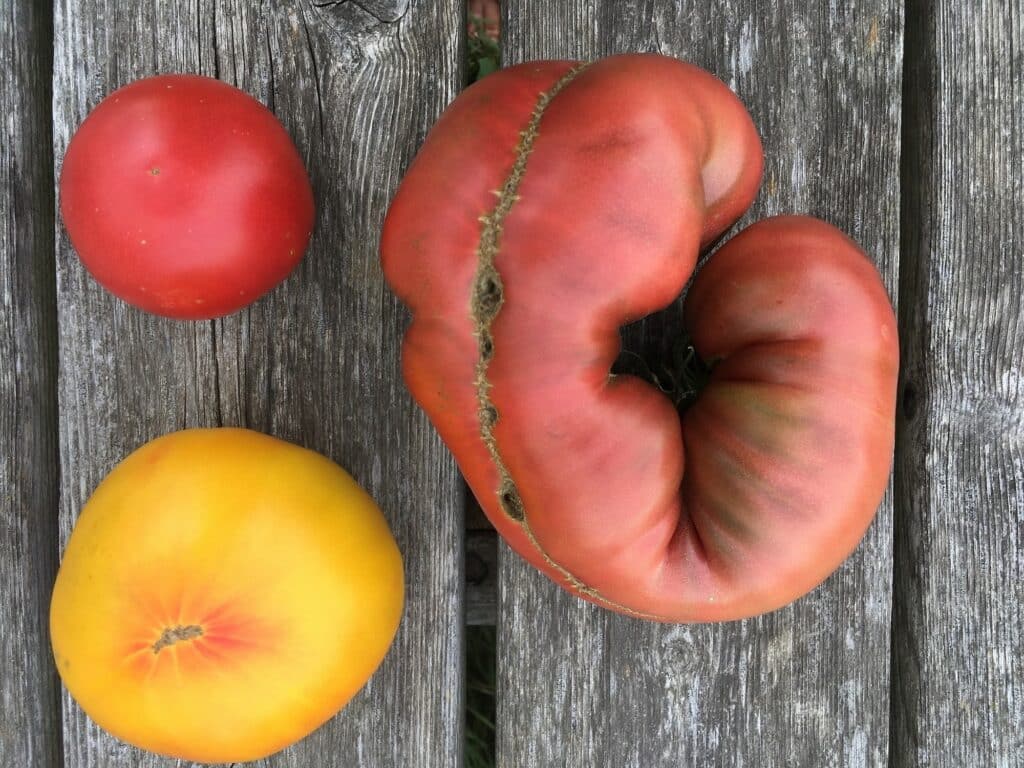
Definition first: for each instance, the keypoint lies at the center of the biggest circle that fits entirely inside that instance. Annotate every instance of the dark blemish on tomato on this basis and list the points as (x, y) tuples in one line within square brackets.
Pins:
[(489, 294), (511, 503), (489, 416), (486, 346)]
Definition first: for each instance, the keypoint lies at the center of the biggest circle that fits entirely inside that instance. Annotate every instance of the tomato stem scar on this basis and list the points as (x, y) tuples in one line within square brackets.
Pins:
[(173, 635)]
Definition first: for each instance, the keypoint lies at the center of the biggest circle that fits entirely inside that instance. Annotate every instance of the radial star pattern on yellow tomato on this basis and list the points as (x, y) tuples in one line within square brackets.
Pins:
[(223, 594)]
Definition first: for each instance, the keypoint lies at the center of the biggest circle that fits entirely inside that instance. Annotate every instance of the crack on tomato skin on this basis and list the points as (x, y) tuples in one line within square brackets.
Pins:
[(488, 297), (488, 294), (511, 502), (486, 346)]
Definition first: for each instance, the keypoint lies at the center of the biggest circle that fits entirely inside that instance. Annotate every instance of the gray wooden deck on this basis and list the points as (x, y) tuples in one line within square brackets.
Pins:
[(901, 123)]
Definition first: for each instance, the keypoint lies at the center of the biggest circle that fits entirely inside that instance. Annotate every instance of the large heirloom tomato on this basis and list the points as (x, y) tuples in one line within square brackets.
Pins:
[(583, 196), (185, 197)]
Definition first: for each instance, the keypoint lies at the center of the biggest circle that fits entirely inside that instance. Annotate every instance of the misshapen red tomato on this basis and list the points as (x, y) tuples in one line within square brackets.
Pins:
[(185, 196), (583, 196)]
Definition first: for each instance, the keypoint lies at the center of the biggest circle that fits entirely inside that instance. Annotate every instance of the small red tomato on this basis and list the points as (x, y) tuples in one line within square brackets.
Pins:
[(185, 197)]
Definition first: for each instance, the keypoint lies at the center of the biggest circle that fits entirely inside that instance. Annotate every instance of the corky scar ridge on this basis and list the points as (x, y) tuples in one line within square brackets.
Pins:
[(488, 297)]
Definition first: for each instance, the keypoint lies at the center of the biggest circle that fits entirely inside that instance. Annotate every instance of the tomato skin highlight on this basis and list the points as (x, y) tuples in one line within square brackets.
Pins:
[(767, 483), (185, 197)]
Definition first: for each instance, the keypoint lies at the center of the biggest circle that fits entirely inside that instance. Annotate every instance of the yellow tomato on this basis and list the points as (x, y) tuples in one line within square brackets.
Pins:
[(223, 594)]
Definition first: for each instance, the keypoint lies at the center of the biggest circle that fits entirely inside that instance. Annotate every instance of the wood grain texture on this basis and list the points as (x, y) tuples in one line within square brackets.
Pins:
[(29, 693), (807, 685), (316, 362), (958, 632)]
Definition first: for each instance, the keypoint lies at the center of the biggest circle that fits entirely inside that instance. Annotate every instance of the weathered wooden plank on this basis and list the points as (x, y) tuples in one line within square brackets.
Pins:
[(29, 698), (958, 629), (807, 685), (316, 362)]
